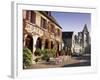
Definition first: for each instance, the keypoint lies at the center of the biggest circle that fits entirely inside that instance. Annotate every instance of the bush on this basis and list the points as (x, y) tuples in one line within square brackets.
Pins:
[(27, 58), (62, 52), (46, 57), (38, 52), (52, 53), (45, 54), (36, 60)]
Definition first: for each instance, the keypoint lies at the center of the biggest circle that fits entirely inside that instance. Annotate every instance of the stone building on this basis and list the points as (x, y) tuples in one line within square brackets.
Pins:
[(40, 30), (82, 42)]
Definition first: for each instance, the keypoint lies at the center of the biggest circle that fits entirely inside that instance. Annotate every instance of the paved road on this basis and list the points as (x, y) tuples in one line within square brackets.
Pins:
[(84, 60)]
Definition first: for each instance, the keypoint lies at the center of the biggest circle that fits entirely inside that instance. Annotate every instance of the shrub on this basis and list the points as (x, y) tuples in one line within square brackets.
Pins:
[(27, 58), (36, 60), (46, 57), (45, 54), (52, 52), (38, 52), (62, 52)]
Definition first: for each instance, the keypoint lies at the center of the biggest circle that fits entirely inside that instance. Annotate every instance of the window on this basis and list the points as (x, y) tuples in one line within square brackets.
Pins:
[(48, 13), (43, 23), (27, 15), (33, 16), (30, 16), (52, 28)]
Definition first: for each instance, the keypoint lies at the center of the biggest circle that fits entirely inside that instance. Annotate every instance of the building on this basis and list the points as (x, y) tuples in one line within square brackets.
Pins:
[(40, 30), (77, 44), (67, 38), (82, 42)]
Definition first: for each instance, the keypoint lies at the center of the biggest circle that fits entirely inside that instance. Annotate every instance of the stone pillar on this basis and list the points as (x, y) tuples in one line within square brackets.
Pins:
[(34, 44), (24, 40), (60, 46), (49, 44), (43, 44), (55, 45)]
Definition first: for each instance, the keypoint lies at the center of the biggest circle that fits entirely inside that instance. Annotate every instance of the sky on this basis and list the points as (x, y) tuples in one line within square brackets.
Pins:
[(71, 21)]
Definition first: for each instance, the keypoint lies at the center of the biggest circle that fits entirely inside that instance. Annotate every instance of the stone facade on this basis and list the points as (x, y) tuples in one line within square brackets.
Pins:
[(82, 42), (40, 30)]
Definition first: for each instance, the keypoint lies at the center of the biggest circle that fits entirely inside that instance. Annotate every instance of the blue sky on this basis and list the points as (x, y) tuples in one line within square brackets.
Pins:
[(71, 21)]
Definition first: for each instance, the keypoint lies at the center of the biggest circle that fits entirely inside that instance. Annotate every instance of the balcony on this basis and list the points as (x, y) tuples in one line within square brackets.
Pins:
[(34, 29)]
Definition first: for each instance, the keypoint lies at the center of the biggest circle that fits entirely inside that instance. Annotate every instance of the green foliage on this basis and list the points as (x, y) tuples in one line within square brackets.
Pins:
[(36, 60), (45, 54), (62, 52), (46, 57), (38, 52), (27, 58), (52, 52)]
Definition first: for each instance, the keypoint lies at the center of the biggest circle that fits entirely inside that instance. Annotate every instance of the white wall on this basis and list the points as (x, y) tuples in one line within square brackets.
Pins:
[(5, 39)]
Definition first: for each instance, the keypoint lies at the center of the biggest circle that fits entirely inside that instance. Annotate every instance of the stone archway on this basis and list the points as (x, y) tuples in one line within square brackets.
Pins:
[(57, 46), (39, 43), (52, 45), (47, 44), (29, 42)]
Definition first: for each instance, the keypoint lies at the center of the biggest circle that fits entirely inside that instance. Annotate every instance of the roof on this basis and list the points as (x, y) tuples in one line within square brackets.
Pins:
[(67, 34), (50, 17)]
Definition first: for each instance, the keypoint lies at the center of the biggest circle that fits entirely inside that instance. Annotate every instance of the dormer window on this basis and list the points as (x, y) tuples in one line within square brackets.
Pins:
[(48, 13)]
